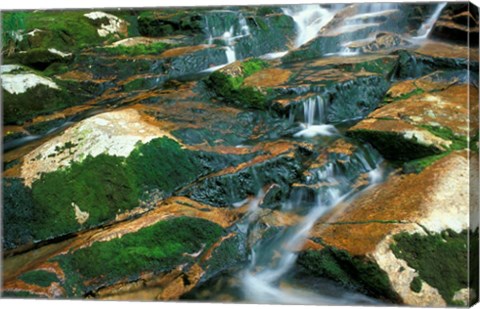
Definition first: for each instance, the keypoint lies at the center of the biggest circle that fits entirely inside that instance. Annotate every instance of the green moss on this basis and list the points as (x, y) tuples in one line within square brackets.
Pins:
[(383, 66), (163, 164), (230, 253), (440, 259), (18, 213), (231, 88), (418, 165), (101, 186), (252, 66), (157, 248), (67, 30), (394, 146), (39, 277), (416, 285), (37, 100), (140, 49), (350, 271), (134, 85), (20, 294), (459, 142), (105, 186)]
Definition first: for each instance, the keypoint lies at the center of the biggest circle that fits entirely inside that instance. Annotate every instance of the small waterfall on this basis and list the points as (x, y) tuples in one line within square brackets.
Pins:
[(271, 260), (427, 26), (309, 20), (231, 30), (314, 119)]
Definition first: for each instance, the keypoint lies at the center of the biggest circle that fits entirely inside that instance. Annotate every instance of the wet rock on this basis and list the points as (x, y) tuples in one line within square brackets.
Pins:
[(458, 23), (176, 214), (382, 41), (342, 166), (427, 121), (229, 84), (434, 56), (378, 224), (280, 165), (27, 94)]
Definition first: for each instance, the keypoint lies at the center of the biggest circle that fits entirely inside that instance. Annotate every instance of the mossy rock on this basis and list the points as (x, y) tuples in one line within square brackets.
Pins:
[(41, 278), (157, 248), (441, 260), (40, 58), (393, 145), (350, 271), (101, 187), (229, 87), (18, 214)]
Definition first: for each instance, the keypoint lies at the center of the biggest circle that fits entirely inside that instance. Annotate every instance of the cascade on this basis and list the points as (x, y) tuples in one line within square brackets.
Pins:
[(226, 31), (427, 26), (314, 119), (271, 260), (309, 20)]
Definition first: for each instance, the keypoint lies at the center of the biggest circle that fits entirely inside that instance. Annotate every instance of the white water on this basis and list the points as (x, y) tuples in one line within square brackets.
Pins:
[(309, 20), (229, 38), (270, 262), (274, 55), (427, 26), (314, 119)]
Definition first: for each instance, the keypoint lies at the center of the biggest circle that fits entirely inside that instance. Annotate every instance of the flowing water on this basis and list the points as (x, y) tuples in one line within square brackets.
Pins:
[(225, 31), (315, 119), (309, 20), (427, 26)]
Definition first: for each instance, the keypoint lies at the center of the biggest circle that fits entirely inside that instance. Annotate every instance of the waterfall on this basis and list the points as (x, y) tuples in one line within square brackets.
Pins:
[(231, 30), (314, 119), (273, 259), (309, 20), (427, 26)]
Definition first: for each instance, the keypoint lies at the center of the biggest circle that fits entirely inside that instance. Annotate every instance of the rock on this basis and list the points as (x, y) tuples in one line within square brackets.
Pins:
[(279, 163), (374, 227), (28, 94), (116, 134), (108, 23), (176, 219), (458, 23), (428, 116), (342, 166), (434, 56), (382, 41)]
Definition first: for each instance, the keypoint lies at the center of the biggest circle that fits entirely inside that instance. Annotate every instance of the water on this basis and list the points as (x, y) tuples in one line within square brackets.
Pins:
[(315, 119), (309, 20), (264, 280), (427, 26), (227, 31)]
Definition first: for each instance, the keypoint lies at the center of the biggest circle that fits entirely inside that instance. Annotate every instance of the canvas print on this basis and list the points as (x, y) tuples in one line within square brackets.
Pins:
[(322, 154)]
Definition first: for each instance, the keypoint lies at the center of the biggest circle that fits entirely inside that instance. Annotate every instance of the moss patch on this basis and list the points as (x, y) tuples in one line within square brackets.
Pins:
[(18, 213), (163, 164), (459, 142), (353, 272), (418, 165), (157, 248), (100, 186), (231, 89), (39, 277), (140, 49), (416, 285), (440, 259)]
